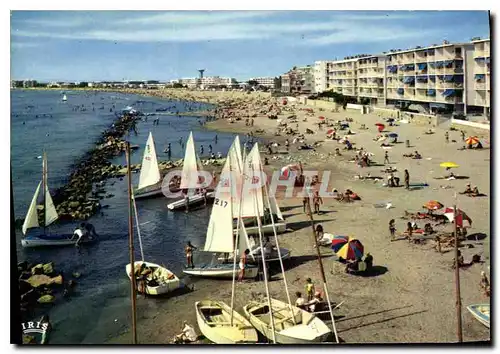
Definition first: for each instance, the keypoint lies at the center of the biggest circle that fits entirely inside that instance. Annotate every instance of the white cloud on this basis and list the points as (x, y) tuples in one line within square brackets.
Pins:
[(192, 26), (22, 45)]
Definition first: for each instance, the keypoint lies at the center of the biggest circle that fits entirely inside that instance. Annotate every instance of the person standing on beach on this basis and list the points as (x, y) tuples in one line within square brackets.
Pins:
[(392, 229), (447, 137), (304, 202), (180, 141), (243, 263), (317, 201), (216, 138), (189, 254), (463, 135), (407, 179), (201, 150), (210, 148), (309, 289), (386, 158)]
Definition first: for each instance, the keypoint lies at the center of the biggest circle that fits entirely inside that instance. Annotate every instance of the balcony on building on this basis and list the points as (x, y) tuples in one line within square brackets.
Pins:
[(407, 69), (421, 81), (450, 96), (480, 82), (409, 82), (400, 92), (392, 70), (409, 94)]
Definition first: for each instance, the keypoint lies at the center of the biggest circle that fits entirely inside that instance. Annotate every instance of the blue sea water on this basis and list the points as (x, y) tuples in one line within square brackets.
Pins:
[(40, 120)]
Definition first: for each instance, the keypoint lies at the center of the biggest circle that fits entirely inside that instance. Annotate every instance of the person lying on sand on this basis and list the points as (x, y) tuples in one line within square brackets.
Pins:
[(468, 189), (417, 156)]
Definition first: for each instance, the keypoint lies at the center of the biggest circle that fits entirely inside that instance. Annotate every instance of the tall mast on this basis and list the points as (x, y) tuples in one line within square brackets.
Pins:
[(236, 242), (278, 248), (457, 277), (321, 269), (265, 269), (44, 187), (131, 245)]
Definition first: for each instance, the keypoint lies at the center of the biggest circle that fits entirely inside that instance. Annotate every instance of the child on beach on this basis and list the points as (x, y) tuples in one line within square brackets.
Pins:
[(317, 201), (309, 289), (407, 179), (392, 229)]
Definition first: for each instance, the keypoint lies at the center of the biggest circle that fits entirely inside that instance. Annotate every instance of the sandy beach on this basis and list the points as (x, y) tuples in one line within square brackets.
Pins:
[(412, 300)]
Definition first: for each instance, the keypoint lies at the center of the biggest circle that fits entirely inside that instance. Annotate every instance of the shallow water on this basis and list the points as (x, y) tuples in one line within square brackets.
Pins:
[(102, 294)]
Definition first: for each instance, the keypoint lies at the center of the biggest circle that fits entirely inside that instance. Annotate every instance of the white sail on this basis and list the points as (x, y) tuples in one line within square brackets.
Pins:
[(243, 240), (64, 98), (238, 151), (150, 173), (219, 236), (189, 177), (252, 170), (31, 219), (50, 211)]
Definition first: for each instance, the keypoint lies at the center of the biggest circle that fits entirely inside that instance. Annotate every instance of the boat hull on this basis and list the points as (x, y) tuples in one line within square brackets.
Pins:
[(221, 271), (214, 322), (479, 313), (266, 229), (148, 193), (194, 200), (169, 282), (307, 328), (52, 241), (257, 257)]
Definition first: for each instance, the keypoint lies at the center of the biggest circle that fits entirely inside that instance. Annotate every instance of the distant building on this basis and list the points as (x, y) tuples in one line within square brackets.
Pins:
[(298, 80), (268, 82)]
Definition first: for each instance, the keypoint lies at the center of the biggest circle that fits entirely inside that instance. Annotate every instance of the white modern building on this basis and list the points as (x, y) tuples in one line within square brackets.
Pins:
[(264, 81), (321, 76), (480, 94)]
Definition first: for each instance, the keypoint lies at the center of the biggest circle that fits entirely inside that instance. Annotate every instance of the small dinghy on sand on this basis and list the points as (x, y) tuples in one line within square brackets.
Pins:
[(214, 321), (159, 281), (306, 329), (481, 312)]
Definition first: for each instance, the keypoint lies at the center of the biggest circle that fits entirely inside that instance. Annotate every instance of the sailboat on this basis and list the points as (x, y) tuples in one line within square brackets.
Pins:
[(35, 235), (291, 326), (219, 237), (252, 206), (248, 218), (64, 98), (481, 312), (189, 177), (150, 178), (160, 280)]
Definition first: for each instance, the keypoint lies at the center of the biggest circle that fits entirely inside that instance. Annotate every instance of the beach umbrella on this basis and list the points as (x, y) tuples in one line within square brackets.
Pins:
[(433, 205), (448, 165), (461, 216), (347, 247), (321, 118), (393, 135), (330, 131), (471, 140)]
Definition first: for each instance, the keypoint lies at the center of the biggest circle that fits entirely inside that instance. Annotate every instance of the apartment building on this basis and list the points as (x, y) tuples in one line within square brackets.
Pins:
[(265, 81), (433, 77), (342, 76), (321, 76), (298, 80), (479, 93), (370, 75)]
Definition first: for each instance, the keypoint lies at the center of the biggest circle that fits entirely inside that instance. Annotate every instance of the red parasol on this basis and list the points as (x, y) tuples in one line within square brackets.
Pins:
[(321, 118), (461, 216), (380, 127), (330, 131)]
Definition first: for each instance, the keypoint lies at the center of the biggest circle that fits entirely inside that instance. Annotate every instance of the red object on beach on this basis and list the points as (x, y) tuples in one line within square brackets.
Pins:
[(286, 171), (449, 212), (321, 118), (380, 127), (285, 102), (330, 131)]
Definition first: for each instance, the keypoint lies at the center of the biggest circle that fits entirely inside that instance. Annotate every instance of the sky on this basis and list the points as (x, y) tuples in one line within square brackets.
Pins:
[(166, 45)]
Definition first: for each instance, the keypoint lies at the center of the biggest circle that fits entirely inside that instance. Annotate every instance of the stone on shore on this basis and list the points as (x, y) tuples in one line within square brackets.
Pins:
[(46, 299)]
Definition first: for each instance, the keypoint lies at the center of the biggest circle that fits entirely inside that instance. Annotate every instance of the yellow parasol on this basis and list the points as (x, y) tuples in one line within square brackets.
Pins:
[(449, 165)]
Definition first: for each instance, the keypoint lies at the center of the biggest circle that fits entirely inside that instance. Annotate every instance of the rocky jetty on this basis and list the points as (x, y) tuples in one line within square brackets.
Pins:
[(41, 284)]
